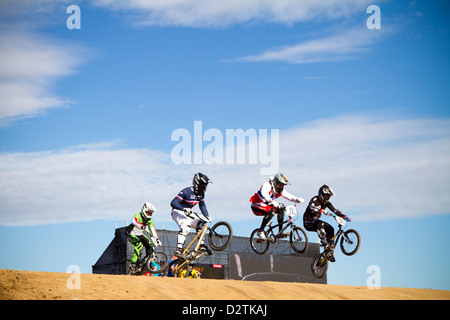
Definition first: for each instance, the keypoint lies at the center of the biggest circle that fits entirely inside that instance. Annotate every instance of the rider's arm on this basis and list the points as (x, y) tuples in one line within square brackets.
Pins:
[(203, 209), (176, 203), (291, 197), (336, 211), (152, 229), (153, 233)]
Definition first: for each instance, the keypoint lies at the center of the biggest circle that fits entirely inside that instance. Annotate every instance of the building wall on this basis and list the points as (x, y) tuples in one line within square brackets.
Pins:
[(238, 261)]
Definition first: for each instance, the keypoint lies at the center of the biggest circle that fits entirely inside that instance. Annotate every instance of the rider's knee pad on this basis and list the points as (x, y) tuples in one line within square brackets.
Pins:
[(184, 230), (199, 226)]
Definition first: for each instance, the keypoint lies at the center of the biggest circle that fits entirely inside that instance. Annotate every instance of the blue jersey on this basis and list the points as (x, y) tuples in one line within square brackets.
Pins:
[(187, 198)]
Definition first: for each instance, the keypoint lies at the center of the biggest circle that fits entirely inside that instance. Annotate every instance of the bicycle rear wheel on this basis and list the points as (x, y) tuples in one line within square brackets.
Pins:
[(258, 245), (350, 242), (319, 265), (299, 240), (161, 261), (220, 236)]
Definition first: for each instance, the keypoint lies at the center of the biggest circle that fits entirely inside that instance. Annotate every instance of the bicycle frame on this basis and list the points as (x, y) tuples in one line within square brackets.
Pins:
[(200, 236), (142, 262), (289, 223), (192, 255), (338, 234), (319, 264)]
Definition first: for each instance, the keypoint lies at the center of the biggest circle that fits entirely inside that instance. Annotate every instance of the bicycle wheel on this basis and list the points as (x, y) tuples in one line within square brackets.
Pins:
[(161, 260), (258, 245), (350, 242), (179, 269), (220, 236), (299, 240), (319, 265)]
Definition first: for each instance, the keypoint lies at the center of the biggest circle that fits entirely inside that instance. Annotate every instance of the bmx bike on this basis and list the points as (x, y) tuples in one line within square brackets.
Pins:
[(219, 238), (298, 238), (153, 262), (349, 244)]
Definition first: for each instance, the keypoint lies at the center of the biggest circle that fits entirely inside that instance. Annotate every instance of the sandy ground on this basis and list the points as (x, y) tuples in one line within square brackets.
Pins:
[(27, 285)]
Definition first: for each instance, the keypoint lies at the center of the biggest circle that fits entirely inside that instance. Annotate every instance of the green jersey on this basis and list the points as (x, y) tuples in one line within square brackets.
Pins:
[(139, 224)]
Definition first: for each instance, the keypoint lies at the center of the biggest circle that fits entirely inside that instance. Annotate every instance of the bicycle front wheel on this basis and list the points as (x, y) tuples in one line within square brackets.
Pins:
[(319, 265), (350, 242), (299, 240), (258, 245), (220, 236), (158, 263)]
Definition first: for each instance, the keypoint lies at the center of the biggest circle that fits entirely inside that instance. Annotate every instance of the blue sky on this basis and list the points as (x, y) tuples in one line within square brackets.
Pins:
[(86, 119)]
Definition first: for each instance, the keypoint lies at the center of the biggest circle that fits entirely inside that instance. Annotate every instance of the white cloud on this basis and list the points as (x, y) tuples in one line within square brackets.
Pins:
[(29, 65), (380, 168), (81, 183), (219, 13), (337, 47)]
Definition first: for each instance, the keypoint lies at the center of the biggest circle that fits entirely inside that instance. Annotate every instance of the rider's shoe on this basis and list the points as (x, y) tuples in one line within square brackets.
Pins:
[(179, 254), (262, 235), (205, 250), (330, 250), (133, 267)]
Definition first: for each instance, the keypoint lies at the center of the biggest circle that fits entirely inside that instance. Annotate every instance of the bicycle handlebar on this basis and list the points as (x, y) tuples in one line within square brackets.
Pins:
[(199, 215), (336, 217)]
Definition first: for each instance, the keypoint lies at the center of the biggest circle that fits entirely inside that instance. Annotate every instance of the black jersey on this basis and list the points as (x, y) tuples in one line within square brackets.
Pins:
[(314, 210)]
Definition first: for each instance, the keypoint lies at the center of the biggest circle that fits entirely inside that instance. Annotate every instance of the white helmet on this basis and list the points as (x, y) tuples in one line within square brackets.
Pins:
[(147, 210)]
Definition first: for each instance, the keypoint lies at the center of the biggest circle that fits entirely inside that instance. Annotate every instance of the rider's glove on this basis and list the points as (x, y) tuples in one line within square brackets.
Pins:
[(347, 218), (300, 200), (208, 218), (158, 242)]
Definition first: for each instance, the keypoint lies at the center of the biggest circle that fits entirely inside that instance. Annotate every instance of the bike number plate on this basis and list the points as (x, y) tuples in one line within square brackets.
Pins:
[(340, 220)]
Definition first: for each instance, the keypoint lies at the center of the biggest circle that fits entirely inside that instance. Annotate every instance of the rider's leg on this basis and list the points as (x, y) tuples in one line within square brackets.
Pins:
[(146, 243), (329, 234), (267, 218), (280, 217), (319, 226), (184, 223), (261, 209), (198, 228), (181, 238), (203, 247), (329, 230), (137, 250)]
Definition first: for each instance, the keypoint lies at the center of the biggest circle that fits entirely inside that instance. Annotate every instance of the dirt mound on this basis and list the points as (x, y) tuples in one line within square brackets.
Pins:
[(28, 285)]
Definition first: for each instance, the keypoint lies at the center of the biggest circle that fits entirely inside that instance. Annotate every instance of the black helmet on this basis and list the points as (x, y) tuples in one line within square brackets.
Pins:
[(325, 192), (200, 181)]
